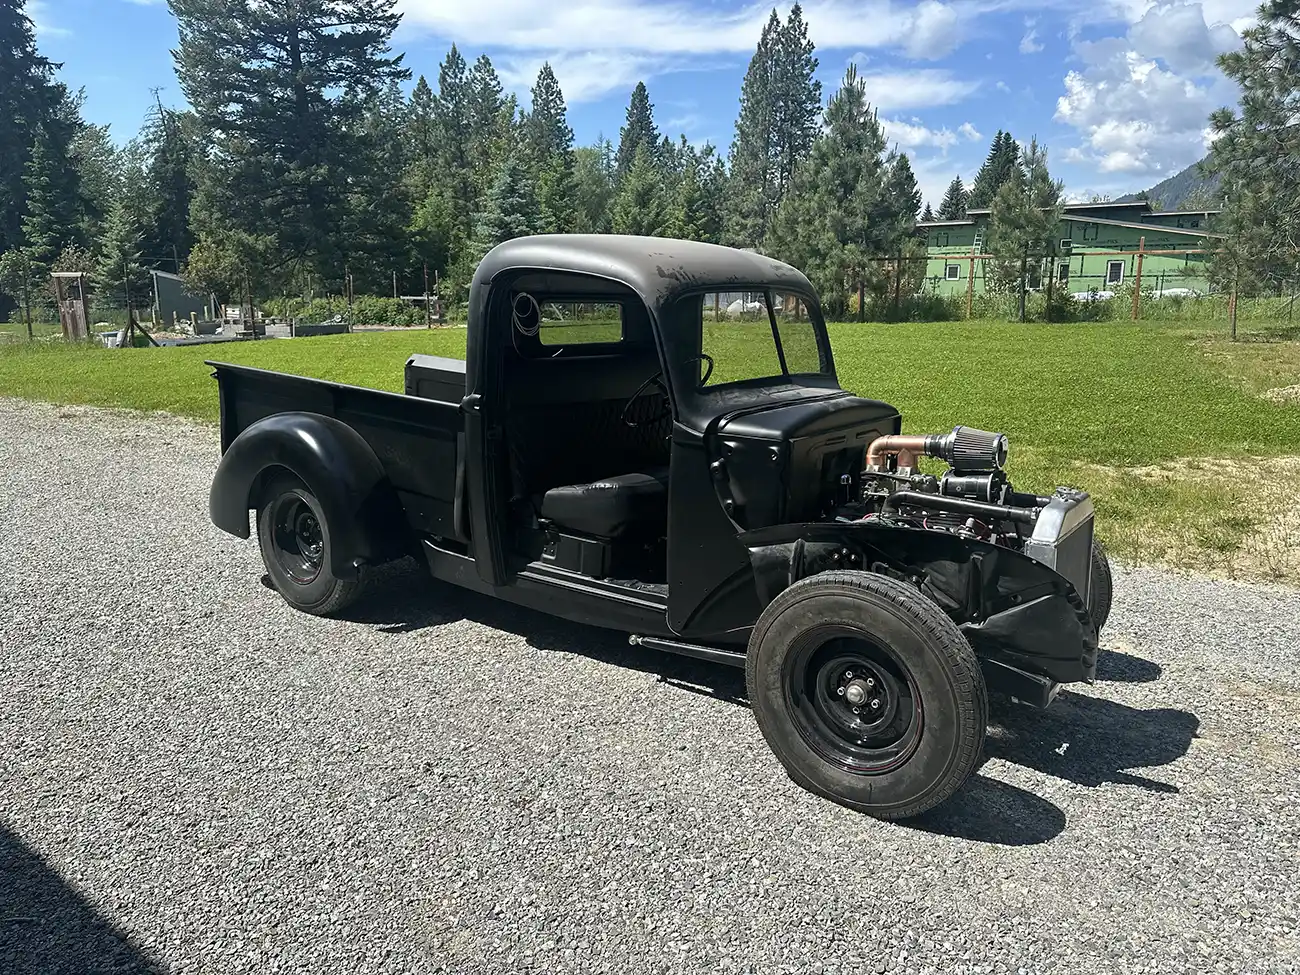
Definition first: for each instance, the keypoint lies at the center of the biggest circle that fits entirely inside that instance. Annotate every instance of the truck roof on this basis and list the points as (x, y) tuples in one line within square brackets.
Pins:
[(657, 268)]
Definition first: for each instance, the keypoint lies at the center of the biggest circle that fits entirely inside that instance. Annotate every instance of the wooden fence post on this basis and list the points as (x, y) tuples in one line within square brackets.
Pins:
[(970, 284), (862, 299), (428, 309), (1232, 309), (1024, 271), (1137, 280), (898, 281)]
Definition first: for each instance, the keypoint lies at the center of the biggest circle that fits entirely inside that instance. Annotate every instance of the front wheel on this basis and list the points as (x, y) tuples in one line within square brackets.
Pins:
[(1101, 591), (295, 540), (867, 693)]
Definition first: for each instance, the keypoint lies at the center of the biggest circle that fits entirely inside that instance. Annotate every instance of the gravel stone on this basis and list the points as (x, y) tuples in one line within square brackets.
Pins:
[(195, 778)]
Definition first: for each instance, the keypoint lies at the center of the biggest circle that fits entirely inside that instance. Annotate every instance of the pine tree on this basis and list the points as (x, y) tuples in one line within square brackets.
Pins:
[(23, 281), (381, 205), (548, 131), (713, 196), (422, 138), (753, 184), (902, 194), (593, 177), (52, 221), (510, 208), (452, 137), (639, 131), (1002, 164), (1023, 224), (1255, 155), (927, 214), (491, 123), (550, 145), (640, 206), (97, 159), (171, 150), (799, 99), (780, 102), (283, 88), (118, 272), (954, 202), (29, 97), (836, 216)]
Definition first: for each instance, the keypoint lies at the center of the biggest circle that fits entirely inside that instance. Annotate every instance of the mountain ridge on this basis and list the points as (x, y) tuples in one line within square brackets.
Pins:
[(1187, 187)]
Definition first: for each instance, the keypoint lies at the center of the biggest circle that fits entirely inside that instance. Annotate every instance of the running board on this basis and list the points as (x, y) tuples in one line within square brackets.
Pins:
[(731, 658)]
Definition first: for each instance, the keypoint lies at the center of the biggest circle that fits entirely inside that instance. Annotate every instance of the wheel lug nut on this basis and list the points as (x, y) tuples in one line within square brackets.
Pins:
[(839, 691), (871, 682), (875, 705), (857, 710), (848, 674)]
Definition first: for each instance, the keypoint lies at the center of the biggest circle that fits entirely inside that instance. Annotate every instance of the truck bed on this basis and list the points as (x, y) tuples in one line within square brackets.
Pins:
[(418, 441)]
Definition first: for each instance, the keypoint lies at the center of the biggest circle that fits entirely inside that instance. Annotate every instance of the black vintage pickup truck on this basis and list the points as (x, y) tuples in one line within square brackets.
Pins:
[(648, 435)]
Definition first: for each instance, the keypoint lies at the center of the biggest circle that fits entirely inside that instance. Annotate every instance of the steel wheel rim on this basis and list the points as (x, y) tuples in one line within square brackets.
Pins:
[(298, 539), (833, 669)]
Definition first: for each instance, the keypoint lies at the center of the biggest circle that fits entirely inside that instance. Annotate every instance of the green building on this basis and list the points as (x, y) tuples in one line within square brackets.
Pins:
[(1095, 251)]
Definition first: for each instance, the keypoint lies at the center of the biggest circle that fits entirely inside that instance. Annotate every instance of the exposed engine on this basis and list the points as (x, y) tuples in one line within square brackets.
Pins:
[(972, 499)]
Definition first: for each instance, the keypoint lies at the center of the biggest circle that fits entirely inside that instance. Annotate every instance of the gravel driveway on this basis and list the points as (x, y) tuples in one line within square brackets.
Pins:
[(194, 778)]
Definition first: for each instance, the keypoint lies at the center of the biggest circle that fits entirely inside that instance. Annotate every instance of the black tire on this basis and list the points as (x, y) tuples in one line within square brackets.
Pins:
[(932, 701), (1099, 597), (295, 541)]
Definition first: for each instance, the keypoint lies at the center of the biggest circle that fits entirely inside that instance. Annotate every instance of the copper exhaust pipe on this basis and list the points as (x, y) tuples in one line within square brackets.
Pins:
[(906, 447)]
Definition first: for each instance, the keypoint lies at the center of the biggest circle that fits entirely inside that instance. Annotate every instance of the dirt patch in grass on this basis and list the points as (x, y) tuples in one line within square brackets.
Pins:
[(1233, 518), (1267, 365), (1283, 394)]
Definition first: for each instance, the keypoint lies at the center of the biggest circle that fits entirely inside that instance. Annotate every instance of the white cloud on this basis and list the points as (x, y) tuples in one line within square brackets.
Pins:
[(925, 88), (1179, 35), (931, 29), (43, 21), (1140, 102), (1029, 43), (936, 32), (584, 76), (914, 134)]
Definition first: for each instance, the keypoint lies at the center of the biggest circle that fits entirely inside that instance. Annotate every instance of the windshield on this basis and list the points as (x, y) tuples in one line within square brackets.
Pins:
[(756, 335)]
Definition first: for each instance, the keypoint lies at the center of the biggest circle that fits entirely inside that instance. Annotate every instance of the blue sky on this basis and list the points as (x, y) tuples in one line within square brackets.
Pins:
[(1119, 90)]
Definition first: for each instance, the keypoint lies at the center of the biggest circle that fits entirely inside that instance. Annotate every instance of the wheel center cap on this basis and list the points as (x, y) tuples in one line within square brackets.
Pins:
[(856, 692)]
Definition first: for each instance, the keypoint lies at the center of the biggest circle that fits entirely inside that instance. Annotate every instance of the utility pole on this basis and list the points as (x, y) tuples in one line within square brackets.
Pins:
[(428, 308)]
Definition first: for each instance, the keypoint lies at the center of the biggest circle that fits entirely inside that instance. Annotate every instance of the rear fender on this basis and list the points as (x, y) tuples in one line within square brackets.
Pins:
[(1011, 608), (335, 463)]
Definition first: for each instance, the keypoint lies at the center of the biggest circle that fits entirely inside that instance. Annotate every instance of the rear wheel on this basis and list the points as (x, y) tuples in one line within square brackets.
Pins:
[(295, 540), (867, 693), (1099, 595)]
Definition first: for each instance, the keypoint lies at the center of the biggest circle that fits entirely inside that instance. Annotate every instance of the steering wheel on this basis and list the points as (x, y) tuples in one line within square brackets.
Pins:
[(656, 380)]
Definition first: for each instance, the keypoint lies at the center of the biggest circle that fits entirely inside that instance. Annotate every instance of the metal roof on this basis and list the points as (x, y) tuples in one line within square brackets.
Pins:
[(1141, 226), (657, 268)]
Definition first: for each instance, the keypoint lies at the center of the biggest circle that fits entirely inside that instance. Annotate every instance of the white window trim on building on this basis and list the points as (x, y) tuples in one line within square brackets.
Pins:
[(1111, 265), (952, 272)]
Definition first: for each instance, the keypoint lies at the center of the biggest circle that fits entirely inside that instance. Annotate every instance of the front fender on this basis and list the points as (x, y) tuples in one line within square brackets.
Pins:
[(1009, 606), (335, 463)]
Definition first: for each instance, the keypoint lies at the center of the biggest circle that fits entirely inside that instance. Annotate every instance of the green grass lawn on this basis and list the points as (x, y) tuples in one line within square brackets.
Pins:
[(1165, 425)]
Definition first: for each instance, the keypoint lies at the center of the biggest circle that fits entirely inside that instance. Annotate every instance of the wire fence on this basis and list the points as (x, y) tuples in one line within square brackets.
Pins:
[(1127, 285)]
